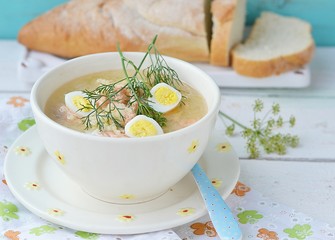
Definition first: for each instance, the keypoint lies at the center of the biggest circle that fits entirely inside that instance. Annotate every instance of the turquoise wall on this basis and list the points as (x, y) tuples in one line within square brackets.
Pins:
[(15, 13), (320, 13)]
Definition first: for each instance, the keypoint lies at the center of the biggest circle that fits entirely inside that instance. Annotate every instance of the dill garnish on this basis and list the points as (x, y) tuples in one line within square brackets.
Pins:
[(107, 107), (159, 71)]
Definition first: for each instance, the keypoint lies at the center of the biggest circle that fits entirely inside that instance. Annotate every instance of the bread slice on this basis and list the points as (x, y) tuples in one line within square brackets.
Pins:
[(276, 44), (81, 27), (228, 17)]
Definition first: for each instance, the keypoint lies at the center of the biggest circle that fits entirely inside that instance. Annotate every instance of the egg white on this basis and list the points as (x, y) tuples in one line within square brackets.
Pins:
[(72, 107), (159, 107), (140, 130)]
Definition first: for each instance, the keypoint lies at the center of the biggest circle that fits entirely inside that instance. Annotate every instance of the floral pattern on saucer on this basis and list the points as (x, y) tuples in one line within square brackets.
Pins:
[(126, 218), (186, 212), (32, 186), (22, 150), (127, 196), (56, 212), (59, 157), (188, 207), (224, 147), (216, 182)]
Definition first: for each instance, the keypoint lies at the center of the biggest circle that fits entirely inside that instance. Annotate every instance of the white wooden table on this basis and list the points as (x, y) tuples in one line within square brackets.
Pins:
[(304, 178)]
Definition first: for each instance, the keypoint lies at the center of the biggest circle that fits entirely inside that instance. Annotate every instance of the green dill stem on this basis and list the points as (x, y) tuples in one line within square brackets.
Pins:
[(143, 59), (265, 117), (148, 51), (233, 120), (123, 59)]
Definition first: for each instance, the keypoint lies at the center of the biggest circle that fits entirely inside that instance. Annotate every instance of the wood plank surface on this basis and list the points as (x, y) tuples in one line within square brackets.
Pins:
[(304, 179), (315, 125)]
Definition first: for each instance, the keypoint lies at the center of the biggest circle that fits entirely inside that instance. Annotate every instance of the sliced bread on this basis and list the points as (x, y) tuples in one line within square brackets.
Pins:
[(275, 45), (82, 27), (228, 17)]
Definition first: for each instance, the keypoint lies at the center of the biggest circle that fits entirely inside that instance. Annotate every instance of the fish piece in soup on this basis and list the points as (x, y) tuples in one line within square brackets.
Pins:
[(123, 108)]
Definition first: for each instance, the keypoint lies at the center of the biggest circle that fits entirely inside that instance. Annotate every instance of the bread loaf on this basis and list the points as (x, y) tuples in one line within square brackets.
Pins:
[(276, 44), (228, 25), (82, 27), (186, 29)]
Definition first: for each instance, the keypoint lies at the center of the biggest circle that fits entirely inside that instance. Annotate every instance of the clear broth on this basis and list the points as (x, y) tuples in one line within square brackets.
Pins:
[(193, 108)]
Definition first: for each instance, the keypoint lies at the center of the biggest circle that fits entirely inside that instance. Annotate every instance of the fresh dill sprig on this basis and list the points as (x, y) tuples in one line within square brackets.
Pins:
[(102, 96), (140, 91), (138, 84), (261, 135), (160, 72)]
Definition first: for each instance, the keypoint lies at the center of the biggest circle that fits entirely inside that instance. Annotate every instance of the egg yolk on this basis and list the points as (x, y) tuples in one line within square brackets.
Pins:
[(143, 128), (165, 96), (81, 103)]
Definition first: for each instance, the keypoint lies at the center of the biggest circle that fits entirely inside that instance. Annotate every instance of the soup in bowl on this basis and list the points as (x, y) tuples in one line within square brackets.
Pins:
[(126, 167)]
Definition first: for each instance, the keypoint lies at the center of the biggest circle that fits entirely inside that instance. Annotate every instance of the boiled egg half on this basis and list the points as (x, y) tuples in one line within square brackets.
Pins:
[(78, 103), (164, 97), (142, 126)]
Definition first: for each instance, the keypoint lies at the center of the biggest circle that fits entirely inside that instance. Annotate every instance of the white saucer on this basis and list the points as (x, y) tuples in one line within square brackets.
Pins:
[(41, 187)]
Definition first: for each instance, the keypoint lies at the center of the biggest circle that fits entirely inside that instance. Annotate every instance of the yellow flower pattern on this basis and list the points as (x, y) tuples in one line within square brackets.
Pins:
[(224, 147), (193, 147), (186, 212), (60, 157), (23, 151), (127, 196), (126, 218), (55, 212), (32, 186), (216, 182)]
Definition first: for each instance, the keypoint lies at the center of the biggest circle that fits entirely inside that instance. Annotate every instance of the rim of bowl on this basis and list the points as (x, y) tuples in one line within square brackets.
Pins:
[(213, 110)]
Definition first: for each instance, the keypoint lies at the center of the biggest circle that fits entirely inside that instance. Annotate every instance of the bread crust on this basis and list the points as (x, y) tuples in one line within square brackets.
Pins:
[(82, 27), (223, 16), (222, 22), (275, 66), (277, 63)]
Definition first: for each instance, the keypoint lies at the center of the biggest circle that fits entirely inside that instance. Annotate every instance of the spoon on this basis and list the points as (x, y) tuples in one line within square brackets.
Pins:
[(222, 218)]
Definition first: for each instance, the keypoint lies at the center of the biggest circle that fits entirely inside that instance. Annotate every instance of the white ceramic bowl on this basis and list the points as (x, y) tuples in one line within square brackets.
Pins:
[(123, 170)]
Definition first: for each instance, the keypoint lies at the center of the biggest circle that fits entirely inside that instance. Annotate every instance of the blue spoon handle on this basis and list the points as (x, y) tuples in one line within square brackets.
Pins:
[(222, 218)]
